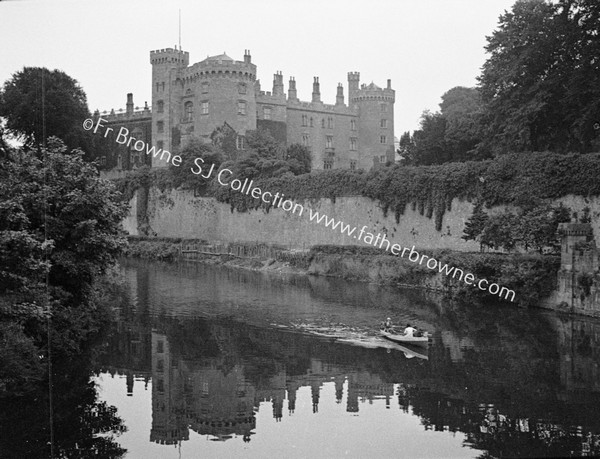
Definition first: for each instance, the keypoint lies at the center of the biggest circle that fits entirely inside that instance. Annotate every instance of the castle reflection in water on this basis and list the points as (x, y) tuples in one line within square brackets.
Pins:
[(515, 383), (213, 377), (212, 395)]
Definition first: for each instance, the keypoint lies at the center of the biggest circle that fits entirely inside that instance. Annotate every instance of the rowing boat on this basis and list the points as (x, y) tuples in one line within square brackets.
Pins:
[(406, 339)]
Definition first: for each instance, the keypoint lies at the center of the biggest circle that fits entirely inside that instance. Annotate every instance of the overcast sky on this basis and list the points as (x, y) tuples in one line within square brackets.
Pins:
[(425, 46)]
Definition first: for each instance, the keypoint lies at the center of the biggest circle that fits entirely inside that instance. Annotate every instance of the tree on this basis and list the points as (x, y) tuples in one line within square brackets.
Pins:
[(299, 158), (184, 174), (475, 225), (449, 135), (532, 227), (37, 102), (59, 217), (430, 145), (541, 83), (462, 108), (406, 149), (265, 145), (537, 226)]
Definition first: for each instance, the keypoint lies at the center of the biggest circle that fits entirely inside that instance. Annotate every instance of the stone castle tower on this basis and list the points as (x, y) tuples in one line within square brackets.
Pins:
[(193, 100)]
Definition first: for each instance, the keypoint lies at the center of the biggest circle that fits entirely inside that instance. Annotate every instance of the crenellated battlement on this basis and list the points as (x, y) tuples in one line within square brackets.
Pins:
[(169, 56), (220, 66), (374, 92)]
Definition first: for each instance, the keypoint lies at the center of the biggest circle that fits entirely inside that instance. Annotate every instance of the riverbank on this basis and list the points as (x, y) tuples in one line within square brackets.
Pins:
[(532, 277)]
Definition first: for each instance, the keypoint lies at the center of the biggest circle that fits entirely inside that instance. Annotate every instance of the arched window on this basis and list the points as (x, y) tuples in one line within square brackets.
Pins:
[(188, 111)]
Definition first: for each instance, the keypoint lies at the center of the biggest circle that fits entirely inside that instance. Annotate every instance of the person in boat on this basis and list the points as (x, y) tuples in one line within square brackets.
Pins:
[(409, 330), (387, 325)]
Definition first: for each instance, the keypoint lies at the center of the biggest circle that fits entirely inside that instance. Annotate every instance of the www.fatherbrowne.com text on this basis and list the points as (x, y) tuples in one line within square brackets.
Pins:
[(225, 178)]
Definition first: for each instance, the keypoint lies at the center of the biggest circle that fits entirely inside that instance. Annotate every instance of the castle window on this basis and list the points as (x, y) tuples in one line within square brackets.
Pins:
[(188, 92), (382, 139), (304, 120), (204, 107), (242, 88), (382, 159), (160, 365), (240, 142), (384, 108), (159, 144), (267, 113), (102, 160), (329, 141), (160, 347), (160, 126), (204, 87), (353, 143), (163, 85), (157, 86), (160, 106), (305, 140), (383, 123), (330, 123), (241, 107), (352, 164), (160, 387), (311, 122), (188, 111), (322, 122), (328, 164), (353, 125)]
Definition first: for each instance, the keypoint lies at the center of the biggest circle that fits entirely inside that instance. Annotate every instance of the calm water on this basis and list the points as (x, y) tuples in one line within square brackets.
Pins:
[(206, 361)]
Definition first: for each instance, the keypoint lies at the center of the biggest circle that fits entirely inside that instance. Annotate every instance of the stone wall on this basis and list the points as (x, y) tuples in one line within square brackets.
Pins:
[(177, 213)]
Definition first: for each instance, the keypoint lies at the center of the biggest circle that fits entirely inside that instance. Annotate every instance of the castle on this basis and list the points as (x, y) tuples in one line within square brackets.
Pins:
[(194, 100)]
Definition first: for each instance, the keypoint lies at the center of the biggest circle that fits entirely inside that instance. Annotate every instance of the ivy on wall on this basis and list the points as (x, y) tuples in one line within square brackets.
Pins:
[(517, 179)]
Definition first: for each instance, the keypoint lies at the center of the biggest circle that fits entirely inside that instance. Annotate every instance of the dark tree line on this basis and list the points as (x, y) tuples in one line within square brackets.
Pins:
[(539, 90)]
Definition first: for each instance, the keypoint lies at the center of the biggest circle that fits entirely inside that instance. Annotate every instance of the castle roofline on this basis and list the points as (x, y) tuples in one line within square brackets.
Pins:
[(219, 57)]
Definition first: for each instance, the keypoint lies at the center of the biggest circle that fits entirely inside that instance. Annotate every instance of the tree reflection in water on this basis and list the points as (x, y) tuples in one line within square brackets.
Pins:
[(83, 426), (511, 398)]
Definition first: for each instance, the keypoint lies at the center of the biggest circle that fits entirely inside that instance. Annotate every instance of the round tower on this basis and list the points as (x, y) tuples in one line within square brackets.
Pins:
[(375, 107), (216, 90)]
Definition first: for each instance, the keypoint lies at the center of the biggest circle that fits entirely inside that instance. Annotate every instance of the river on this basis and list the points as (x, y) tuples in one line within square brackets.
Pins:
[(209, 361)]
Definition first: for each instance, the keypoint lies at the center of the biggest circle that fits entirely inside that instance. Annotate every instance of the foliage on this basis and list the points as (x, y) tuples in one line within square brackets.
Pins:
[(531, 276), (59, 231), (532, 227), (183, 175), (406, 149), (224, 140), (475, 225), (84, 426), (541, 84), (37, 101), (449, 135), (509, 179), (60, 198), (153, 250), (462, 108), (501, 231), (430, 147), (299, 158), (264, 144)]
